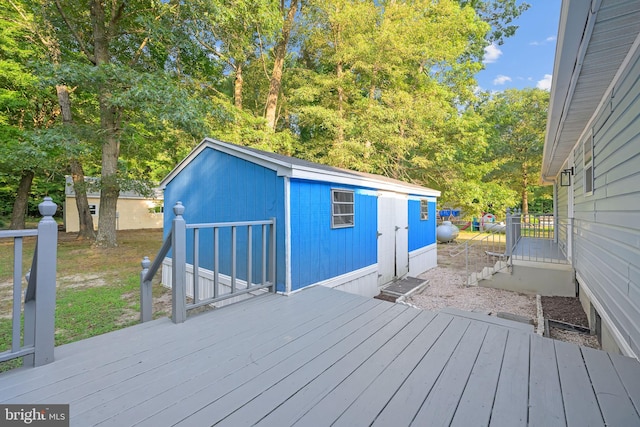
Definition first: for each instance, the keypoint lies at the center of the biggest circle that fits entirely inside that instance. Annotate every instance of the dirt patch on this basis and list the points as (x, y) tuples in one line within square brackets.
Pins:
[(568, 310), (564, 309)]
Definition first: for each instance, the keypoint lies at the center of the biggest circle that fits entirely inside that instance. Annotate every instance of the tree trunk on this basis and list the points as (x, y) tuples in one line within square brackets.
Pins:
[(339, 74), (237, 88), (20, 204), (525, 195), (278, 66), (109, 188), (85, 219)]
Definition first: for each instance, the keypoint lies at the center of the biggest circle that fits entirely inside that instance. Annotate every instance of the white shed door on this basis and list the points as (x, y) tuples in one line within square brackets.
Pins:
[(393, 243)]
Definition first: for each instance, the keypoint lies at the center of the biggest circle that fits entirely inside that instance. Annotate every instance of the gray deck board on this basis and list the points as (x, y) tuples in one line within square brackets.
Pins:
[(370, 402), (406, 402), (510, 405), (337, 394), (288, 376), (545, 402), (477, 399), (613, 399), (323, 357), (127, 394), (228, 375), (303, 388), (440, 405), (580, 403), (629, 375)]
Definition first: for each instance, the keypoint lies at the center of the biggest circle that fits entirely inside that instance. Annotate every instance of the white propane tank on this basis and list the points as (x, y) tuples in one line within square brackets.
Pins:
[(446, 232)]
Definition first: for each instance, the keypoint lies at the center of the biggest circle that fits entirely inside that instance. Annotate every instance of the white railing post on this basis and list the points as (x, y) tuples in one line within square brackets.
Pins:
[(146, 295), (45, 292), (179, 270)]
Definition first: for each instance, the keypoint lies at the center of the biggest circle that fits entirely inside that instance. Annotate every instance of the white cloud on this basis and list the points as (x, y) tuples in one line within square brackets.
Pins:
[(491, 53), (545, 83), (549, 39), (501, 79)]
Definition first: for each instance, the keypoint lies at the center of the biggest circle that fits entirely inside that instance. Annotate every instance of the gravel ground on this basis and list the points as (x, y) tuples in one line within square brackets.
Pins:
[(446, 289)]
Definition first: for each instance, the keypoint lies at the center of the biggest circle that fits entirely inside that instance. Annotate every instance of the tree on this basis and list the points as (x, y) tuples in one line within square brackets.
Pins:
[(515, 125), (279, 53), (120, 53), (233, 33), (25, 110), (384, 82)]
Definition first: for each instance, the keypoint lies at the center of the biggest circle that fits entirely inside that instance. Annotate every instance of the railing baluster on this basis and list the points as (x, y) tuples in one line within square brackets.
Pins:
[(273, 254), (196, 264), (17, 293), (233, 259), (216, 261), (264, 255), (249, 255)]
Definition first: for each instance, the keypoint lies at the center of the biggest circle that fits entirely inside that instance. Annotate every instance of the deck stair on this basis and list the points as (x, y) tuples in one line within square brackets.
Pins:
[(487, 273)]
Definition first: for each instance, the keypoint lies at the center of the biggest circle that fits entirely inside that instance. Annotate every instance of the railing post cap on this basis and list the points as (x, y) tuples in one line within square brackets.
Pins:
[(146, 263), (47, 208), (178, 209)]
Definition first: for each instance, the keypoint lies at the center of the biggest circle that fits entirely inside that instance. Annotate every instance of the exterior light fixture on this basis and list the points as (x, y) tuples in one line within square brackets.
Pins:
[(565, 177)]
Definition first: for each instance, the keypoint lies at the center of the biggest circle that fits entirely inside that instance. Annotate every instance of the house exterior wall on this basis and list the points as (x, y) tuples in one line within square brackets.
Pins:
[(607, 222), (133, 213), (319, 252), (218, 187)]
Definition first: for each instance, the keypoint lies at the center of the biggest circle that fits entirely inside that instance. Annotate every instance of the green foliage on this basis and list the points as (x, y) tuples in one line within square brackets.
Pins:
[(384, 87), (515, 124)]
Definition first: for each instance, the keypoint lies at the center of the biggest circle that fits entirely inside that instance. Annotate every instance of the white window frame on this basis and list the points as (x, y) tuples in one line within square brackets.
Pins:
[(587, 171), (424, 210), (341, 219), (93, 209)]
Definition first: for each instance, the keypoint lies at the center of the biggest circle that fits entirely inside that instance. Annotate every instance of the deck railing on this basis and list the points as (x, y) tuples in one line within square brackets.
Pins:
[(525, 237), (536, 238), (484, 254), (176, 241), (35, 340)]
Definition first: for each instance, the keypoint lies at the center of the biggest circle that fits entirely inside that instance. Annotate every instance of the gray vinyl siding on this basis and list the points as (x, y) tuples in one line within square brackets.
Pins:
[(607, 222)]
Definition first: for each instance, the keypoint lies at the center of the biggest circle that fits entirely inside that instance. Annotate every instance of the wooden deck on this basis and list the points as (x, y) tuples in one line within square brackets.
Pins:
[(324, 357)]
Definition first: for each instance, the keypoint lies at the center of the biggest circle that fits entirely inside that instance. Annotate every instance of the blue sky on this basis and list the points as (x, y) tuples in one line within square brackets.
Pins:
[(526, 59)]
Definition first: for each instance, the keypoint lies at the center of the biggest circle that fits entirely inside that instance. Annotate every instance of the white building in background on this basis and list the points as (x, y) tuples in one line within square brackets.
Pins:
[(134, 211)]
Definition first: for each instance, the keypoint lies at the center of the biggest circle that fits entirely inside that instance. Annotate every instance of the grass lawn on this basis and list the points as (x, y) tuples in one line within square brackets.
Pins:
[(98, 290)]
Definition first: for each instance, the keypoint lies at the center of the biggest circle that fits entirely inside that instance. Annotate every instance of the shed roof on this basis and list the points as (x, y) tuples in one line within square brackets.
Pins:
[(595, 40), (302, 169)]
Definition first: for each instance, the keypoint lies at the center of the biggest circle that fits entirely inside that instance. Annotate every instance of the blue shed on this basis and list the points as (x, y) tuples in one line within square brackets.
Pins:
[(335, 227)]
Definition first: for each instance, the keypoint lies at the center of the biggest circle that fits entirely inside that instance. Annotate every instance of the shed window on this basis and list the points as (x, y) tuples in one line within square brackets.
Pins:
[(93, 210), (342, 209), (588, 165), (424, 210)]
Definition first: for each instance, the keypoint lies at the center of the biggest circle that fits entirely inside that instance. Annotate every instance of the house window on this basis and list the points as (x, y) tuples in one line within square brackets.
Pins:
[(93, 209), (342, 209), (588, 165), (424, 210)]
